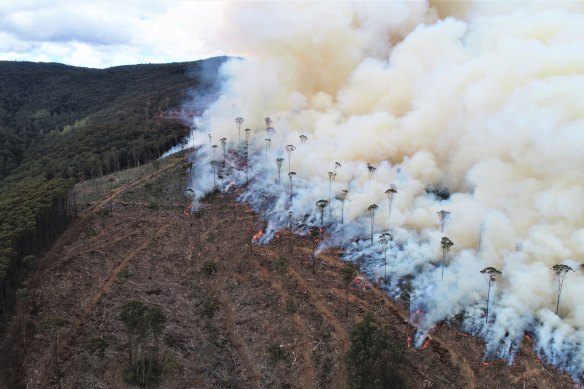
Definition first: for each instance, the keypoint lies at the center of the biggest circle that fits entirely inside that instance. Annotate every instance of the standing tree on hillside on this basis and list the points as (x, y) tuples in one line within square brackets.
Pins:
[(443, 216), (210, 139), (239, 121), (322, 204), (270, 131), (246, 158), (561, 272), (331, 177), (279, 164), (268, 121), (491, 274), (291, 177), (214, 165), (247, 133), (385, 239), (303, 139), (372, 208), (214, 149), (348, 274), (342, 197), (289, 150), (390, 193), (223, 145), (370, 169), (446, 244)]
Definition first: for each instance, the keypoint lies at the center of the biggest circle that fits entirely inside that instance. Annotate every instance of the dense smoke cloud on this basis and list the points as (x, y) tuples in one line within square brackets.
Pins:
[(484, 102)]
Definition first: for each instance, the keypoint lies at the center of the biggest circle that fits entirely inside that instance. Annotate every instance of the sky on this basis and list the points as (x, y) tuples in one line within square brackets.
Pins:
[(102, 34)]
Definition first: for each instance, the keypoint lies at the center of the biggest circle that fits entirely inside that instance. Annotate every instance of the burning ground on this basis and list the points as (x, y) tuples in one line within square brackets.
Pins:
[(257, 319)]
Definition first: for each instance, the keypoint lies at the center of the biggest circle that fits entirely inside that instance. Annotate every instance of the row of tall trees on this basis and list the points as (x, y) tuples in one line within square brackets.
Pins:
[(316, 233), (32, 214)]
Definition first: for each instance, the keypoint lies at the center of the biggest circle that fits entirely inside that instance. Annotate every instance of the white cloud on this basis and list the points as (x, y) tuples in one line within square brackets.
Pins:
[(107, 33)]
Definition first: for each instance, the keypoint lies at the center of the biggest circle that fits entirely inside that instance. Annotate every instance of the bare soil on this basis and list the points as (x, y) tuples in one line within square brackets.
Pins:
[(136, 243)]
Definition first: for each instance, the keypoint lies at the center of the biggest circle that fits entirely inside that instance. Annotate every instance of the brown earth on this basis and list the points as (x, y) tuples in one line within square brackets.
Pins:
[(135, 243)]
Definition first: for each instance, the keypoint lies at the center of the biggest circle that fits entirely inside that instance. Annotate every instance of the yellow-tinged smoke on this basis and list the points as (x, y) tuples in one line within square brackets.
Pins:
[(484, 99)]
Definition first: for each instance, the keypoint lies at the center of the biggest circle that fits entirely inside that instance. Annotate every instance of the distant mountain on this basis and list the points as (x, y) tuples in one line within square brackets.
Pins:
[(60, 124)]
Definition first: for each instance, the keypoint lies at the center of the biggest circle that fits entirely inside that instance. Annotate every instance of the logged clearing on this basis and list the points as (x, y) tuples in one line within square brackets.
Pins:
[(237, 316)]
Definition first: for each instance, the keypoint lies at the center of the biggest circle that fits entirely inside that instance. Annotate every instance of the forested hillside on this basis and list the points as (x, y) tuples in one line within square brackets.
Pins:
[(60, 124)]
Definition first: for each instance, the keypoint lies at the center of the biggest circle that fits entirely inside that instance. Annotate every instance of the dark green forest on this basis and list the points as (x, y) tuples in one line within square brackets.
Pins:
[(61, 124)]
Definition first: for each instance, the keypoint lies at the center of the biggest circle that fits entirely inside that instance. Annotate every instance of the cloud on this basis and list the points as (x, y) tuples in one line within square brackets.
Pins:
[(107, 33)]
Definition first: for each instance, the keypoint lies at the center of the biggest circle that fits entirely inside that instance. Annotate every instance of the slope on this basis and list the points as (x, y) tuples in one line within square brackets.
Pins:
[(256, 318)]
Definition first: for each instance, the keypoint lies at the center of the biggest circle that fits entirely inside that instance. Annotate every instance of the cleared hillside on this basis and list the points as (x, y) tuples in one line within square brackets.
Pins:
[(62, 124), (235, 317)]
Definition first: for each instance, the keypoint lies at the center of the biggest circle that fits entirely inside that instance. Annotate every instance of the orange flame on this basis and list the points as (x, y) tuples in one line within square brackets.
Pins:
[(484, 363), (187, 210), (409, 342), (426, 343), (257, 236)]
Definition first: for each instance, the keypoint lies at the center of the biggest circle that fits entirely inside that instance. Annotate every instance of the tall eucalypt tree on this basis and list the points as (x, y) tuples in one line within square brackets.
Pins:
[(291, 178), (446, 244), (268, 142), (492, 275), (370, 170), (443, 216), (224, 146), (331, 176), (392, 191), (342, 197), (279, 164), (321, 205), (303, 139), (289, 150), (239, 121), (385, 239), (561, 272), (214, 164), (372, 208), (247, 134)]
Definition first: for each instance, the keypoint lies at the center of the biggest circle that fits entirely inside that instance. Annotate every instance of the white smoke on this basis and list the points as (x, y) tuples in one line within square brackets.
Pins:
[(484, 101)]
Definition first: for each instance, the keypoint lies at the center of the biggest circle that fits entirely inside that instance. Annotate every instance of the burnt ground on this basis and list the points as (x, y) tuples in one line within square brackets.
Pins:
[(134, 242)]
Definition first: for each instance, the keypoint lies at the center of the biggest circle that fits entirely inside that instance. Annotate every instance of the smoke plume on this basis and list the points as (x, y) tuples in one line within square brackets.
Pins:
[(472, 109)]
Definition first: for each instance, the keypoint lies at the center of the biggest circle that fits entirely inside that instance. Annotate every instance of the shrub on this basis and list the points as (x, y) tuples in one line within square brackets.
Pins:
[(281, 264), (97, 345), (209, 268), (291, 306), (373, 357), (276, 352)]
